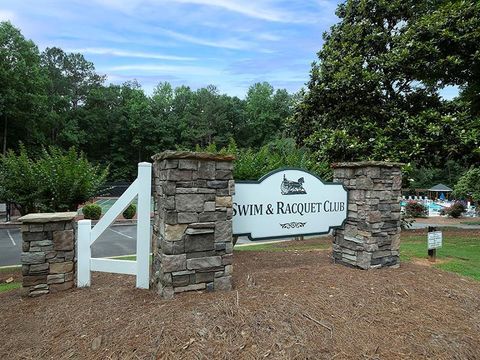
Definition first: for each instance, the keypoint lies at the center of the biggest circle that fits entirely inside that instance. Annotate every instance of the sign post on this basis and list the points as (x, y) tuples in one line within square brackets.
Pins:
[(434, 241), (288, 203)]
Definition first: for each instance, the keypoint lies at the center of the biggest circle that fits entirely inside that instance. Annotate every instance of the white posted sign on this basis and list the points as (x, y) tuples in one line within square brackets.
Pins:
[(434, 240), (287, 202)]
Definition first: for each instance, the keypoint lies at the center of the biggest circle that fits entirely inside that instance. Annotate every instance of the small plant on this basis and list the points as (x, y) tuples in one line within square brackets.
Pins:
[(406, 223), (455, 210), (92, 211), (130, 211), (415, 209)]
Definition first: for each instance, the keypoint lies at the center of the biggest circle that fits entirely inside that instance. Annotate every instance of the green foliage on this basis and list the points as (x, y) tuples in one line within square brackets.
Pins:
[(19, 181), (415, 209), (55, 181), (252, 164), (374, 93), (424, 177), (130, 211), (92, 211), (468, 186), (22, 95), (68, 179), (57, 98), (455, 210)]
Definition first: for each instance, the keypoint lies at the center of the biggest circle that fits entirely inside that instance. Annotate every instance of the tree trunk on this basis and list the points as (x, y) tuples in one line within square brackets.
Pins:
[(5, 137)]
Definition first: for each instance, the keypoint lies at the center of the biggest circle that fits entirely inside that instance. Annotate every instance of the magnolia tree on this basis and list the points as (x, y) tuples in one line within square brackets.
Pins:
[(468, 186)]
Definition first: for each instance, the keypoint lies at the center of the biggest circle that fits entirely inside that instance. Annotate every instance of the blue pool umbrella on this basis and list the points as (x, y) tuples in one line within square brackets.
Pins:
[(442, 196)]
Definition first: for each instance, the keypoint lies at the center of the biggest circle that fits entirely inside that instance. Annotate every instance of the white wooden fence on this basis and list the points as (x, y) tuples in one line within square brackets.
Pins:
[(87, 235)]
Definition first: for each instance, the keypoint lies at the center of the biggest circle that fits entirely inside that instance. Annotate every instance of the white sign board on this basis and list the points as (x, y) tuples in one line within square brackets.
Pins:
[(434, 240), (287, 202)]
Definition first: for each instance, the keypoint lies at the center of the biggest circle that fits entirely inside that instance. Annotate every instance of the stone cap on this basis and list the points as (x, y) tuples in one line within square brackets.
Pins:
[(48, 217), (360, 164), (191, 155)]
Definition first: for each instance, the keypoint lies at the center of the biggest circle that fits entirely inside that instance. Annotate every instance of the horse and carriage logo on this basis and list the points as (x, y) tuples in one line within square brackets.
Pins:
[(289, 187)]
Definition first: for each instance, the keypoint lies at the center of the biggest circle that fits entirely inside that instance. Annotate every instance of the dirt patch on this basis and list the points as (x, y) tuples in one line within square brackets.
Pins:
[(427, 262), (285, 305)]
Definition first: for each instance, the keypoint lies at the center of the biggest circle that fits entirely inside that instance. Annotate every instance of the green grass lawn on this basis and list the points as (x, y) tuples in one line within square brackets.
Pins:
[(460, 253), (273, 247), (470, 222), (11, 286)]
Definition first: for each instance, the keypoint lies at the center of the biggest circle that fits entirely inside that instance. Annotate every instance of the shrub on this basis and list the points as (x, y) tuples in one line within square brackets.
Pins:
[(55, 181), (251, 164), (19, 181), (456, 209), (92, 211), (415, 209), (130, 211), (69, 179), (406, 223)]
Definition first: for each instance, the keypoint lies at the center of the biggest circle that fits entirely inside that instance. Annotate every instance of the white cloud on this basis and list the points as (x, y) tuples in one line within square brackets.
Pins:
[(128, 53), (121, 5), (234, 44), (254, 9), (268, 37), (166, 69), (7, 15)]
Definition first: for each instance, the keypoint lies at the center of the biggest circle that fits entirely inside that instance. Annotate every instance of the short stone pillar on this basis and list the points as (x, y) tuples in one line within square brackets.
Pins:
[(371, 235), (192, 233), (48, 257)]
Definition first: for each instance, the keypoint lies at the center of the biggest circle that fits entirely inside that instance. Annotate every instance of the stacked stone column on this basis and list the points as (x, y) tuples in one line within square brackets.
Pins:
[(48, 252), (192, 234), (371, 235)]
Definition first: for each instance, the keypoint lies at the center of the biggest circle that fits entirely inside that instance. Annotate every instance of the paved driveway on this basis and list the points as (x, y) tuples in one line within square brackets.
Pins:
[(115, 241)]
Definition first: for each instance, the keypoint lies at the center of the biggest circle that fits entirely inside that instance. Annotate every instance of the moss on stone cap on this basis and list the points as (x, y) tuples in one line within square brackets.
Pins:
[(191, 155), (360, 164)]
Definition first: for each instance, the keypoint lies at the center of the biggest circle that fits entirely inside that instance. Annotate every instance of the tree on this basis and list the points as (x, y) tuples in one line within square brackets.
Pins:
[(443, 48), (266, 111), (468, 186), (368, 99), (70, 79), (21, 90)]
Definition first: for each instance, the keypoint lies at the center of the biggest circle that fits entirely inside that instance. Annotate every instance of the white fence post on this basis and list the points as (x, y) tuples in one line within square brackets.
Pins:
[(143, 224), (84, 253)]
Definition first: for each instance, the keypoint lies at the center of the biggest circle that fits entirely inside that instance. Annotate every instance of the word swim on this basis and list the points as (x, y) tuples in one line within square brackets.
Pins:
[(281, 208)]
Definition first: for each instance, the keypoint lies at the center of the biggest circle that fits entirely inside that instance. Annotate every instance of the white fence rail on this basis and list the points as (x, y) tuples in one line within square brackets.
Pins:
[(141, 187)]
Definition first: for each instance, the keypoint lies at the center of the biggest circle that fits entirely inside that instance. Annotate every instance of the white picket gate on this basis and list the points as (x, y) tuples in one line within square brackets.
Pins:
[(87, 235)]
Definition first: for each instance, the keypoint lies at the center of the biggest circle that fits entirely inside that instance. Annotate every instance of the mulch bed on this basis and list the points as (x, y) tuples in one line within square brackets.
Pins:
[(285, 305)]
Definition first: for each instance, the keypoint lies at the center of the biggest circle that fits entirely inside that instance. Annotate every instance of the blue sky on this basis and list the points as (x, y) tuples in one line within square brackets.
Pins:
[(228, 43)]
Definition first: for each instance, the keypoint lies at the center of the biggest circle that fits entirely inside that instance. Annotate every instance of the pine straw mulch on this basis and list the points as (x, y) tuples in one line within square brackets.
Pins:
[(285, 305)]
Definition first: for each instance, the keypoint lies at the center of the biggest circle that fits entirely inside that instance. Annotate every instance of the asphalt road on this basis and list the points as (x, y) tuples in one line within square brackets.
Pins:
[(115, 241)]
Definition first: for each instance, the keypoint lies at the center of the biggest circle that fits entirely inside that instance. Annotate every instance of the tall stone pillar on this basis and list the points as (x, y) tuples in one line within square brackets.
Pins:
[(371, 235), (192, 234), (48, 257)]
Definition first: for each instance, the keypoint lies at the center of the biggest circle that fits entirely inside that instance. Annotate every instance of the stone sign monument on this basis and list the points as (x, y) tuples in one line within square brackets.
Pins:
[(287, 202)]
